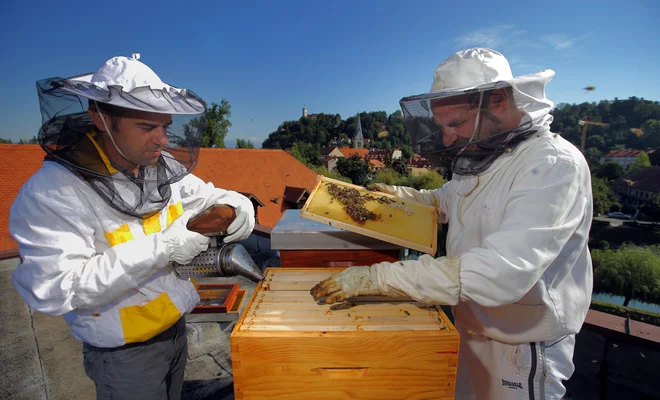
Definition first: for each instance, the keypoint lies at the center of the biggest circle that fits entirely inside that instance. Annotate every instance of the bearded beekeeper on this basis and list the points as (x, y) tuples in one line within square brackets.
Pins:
[(99, 223), (519, 207)]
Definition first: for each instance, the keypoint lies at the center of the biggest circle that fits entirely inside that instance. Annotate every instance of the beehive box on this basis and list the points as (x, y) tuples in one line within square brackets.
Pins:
[(402, 222), (287, 346)]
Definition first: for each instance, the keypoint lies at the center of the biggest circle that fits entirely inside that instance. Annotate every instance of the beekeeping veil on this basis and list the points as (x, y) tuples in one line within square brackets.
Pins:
[(471, 75), (120, 87)]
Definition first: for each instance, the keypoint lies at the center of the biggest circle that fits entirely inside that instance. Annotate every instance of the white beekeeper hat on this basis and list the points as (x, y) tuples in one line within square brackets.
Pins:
[(475, 71), (129, 83)]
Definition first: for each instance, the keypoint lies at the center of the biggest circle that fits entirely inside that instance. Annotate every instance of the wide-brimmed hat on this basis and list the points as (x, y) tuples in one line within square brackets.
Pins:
[(475, 71), (129, 83)]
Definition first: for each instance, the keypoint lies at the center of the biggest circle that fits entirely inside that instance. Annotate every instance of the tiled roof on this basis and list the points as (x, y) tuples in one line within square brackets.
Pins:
[(294, 194), (377, 164), (626, 153), (647, 178), (264, 173), (347, 151), (17, 163), (327, 150)]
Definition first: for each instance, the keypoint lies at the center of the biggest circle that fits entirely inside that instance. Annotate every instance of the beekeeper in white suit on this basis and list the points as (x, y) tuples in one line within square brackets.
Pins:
[(519, 208), (99, 223)]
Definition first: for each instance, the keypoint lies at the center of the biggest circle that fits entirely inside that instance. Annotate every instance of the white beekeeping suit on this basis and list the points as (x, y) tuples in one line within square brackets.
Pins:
[(95, 241), (519, 206)]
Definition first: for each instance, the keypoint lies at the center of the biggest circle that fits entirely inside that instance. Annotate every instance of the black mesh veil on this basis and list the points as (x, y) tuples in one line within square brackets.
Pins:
[(70, 138), (474, 156)]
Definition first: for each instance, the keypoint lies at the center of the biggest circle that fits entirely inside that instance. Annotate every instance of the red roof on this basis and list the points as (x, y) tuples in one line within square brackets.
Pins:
[(347, 151), (626, 153), (17, 163), (377, 164), (264, 173)]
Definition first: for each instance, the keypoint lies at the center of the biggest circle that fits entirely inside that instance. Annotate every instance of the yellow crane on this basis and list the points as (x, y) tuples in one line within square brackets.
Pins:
[(585, 123)]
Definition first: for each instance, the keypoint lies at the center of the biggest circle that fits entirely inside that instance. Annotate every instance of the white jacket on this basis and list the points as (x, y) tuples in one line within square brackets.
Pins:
[(104, 271), (518, 267)]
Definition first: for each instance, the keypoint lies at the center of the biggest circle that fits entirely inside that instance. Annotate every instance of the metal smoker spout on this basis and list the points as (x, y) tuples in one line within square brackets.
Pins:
[(235, 261), (220, 260)]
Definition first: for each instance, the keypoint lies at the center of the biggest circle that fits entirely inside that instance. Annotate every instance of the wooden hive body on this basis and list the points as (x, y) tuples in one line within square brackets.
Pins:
[(286, 346)]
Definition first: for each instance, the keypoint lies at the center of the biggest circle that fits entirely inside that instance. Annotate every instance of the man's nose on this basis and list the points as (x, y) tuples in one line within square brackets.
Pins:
[(160, 136), (448, 137)]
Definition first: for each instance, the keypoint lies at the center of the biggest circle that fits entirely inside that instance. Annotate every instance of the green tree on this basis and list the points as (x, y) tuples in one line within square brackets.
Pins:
[(652, 208), (655, 157), (429, 181), (651, 134), (216, 125), (631, 271), (307, 153), (593, 156), (244, 144), (321, 170), (354, 167), (603, 196), (596, 141), (400, 166), (610, 171), (34, 140), (641, 161)]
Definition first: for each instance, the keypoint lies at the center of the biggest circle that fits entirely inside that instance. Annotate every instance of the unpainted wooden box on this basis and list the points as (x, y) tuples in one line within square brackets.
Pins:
[(286, 346)]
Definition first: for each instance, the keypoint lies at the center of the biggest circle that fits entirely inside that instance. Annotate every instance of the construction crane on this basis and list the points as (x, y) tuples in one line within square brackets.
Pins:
[(585, 123)]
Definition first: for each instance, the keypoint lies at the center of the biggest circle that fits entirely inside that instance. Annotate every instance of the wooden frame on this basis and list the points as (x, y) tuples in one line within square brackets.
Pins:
[(429, 247), (226, 292)]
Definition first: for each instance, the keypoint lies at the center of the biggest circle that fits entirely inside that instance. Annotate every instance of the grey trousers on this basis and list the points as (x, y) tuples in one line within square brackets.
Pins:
[(148, 370)]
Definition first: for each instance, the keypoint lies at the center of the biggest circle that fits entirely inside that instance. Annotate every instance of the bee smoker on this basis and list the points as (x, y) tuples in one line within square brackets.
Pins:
[(220, 259)]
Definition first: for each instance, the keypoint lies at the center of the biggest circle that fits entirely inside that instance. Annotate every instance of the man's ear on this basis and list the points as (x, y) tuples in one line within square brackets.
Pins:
[(96, 118), (499, 100)]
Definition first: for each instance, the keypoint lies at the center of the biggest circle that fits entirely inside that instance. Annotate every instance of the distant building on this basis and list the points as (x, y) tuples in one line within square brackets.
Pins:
[(624, 158), (635, 188), (332, 151), (312, 117), (359, 138)]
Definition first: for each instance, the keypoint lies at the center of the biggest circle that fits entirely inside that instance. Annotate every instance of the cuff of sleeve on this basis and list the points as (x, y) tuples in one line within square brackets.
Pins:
[(236, 200), (428, 280)]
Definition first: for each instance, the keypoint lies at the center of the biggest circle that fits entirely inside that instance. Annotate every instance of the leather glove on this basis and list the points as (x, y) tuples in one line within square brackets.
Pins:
[(241, 227), (351, 282), (182, 245)]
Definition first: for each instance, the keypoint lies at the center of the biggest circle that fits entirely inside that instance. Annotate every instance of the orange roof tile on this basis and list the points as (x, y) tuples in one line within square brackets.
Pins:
[(264, 173), (377, 164), (17, 163), (347, 151), (627, 153)]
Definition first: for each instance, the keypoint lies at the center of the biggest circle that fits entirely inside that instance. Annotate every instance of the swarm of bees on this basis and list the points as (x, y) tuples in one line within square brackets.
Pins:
[(353, 203)]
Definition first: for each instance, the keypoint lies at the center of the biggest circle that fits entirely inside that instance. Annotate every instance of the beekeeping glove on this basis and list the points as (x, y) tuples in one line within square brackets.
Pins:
[(351, 282), (182, 245), (242, 226)]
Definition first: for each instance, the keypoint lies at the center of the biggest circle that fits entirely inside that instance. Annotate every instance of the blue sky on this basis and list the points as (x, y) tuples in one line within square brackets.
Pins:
[(270, 59)]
